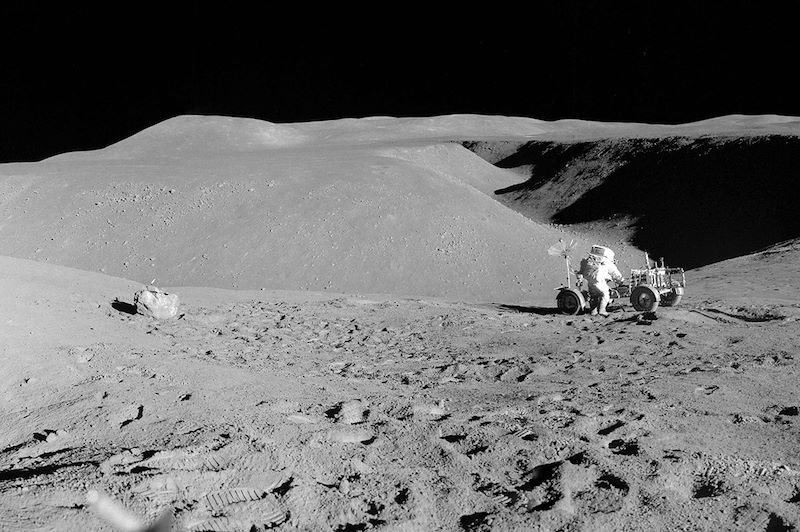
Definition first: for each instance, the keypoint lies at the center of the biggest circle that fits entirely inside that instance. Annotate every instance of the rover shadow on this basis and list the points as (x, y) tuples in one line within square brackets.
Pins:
[(541, 311)]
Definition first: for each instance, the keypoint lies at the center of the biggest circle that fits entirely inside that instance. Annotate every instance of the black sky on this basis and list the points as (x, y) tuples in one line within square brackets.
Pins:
[(83, 76)]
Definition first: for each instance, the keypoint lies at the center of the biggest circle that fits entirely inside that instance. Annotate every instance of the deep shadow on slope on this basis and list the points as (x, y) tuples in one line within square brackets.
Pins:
[(694, 200)]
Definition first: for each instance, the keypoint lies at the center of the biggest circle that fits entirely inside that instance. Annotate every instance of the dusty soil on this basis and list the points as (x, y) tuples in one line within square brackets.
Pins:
[(308, 411)]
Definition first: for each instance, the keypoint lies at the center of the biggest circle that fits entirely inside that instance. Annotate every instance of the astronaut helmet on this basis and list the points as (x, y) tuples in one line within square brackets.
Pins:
[(602, 254)]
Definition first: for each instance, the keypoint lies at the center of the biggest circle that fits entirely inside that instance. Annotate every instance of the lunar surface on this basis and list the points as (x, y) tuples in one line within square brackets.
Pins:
[(367, 336)]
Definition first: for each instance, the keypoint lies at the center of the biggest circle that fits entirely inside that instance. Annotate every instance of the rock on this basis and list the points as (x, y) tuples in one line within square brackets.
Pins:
[(126, 415), (302, 419), (50, 442), (353, 412), (82, 355), (151, 301), (435, 412), (351, 436)]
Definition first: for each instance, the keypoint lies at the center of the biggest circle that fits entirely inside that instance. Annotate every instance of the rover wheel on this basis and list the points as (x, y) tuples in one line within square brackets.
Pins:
[(644, 298), (570, 301), (673, 297)]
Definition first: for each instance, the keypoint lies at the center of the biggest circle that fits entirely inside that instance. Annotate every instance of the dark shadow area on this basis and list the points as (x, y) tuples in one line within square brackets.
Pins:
[(540, 474), (542, 311), (122, 306), (777, 524), (23, 473), (748, 318), (546, 159), (693, 200), (476, 521), (625, 448), (611, 428)]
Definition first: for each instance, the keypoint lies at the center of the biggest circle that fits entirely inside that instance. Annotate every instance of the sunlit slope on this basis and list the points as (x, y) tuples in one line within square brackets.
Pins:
[(406, 218), (767, 275)]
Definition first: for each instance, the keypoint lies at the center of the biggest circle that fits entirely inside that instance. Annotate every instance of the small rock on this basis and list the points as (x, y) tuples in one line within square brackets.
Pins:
[(512, 375), (363, 468), (83, 355), (49, 442), (126, 415), (59, 434), (434, 412), (353, 412), (351, 436)]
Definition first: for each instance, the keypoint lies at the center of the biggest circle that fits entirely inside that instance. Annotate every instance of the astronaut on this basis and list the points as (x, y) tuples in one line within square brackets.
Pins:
[(598, 268)]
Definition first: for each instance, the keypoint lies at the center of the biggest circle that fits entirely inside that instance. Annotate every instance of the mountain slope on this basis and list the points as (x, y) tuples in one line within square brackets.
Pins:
[(413, 217)]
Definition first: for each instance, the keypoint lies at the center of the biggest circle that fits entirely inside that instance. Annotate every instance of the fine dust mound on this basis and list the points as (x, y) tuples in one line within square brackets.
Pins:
[(185, 203), (693, 199), (301, 411)]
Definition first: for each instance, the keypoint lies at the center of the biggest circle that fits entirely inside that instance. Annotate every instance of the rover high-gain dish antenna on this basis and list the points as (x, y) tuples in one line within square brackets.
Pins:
[(563, 249)]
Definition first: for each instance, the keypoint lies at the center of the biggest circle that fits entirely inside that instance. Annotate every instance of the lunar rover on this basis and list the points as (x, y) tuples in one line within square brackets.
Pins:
[(649, 287)]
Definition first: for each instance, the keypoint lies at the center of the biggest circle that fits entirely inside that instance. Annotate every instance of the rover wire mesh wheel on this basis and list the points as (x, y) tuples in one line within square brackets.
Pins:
[(644, 298), (570, 301), (673, 297)]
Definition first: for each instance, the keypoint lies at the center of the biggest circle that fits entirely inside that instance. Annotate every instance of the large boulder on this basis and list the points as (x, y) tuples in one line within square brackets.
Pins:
[(151, 301)]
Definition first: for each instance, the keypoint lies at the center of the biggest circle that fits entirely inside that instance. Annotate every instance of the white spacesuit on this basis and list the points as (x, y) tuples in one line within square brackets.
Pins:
[(599, 268)]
